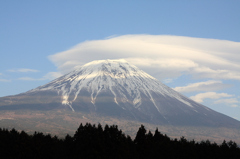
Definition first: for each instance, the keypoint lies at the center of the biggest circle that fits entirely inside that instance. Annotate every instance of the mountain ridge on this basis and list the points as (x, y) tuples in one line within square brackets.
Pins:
[(119, 89), (115, 73)]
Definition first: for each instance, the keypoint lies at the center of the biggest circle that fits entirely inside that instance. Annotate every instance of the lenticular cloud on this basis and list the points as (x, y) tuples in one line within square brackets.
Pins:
[(163, 56)]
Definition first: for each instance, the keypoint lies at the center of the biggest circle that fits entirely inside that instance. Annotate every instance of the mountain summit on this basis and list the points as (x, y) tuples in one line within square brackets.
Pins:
[(118, 89)]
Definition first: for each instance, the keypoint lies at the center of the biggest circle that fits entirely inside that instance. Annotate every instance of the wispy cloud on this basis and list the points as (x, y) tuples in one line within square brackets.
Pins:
[(22, 70), (206, 72), (233, 102), (209, 95), (162, 56), (5, 80), (52, 75), (210, 85), (168, 80), (28, 79), (48, 76)]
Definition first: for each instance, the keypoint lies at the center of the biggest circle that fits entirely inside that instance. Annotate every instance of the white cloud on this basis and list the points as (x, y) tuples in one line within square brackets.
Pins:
[(23, 70), (4, 80), (28, 79), (209, 95), (205, 72), (210, 85), (230, 101), (162, 56), (52, 75), (48, 76), (168, 80)]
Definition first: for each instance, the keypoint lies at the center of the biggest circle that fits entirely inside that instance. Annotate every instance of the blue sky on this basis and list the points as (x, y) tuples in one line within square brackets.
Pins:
[(192, 46)]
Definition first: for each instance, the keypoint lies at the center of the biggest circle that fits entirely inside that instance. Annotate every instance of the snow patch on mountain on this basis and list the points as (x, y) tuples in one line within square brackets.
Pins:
[(118, 76)]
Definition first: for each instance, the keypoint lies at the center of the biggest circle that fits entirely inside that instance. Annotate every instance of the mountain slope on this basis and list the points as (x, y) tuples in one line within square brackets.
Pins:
[(116, 88)]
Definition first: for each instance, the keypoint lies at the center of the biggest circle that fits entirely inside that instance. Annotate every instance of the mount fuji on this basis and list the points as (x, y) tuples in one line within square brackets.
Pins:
[(117, 89)]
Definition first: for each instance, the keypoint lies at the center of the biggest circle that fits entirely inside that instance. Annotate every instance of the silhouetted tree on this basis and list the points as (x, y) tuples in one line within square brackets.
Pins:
[(91, 141)]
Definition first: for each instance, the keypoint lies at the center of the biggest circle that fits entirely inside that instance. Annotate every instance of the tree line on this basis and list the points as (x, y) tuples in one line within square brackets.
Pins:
[(94, 141)]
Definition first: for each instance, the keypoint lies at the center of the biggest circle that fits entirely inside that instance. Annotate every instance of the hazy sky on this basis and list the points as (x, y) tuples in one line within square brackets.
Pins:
[(191, 46)]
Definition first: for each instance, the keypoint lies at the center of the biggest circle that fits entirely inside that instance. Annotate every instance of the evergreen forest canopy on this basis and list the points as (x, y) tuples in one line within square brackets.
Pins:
[(91, 141)]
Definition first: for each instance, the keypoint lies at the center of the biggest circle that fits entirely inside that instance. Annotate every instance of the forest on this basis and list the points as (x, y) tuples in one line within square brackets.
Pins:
[(94, 141)]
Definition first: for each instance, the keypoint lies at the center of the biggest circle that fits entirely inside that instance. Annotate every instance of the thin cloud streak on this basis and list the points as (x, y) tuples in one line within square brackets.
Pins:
[(52, 75), (209, 95), (28, 79), (23, 70), (48, 76), (210, 85), (233, 102), (5, 80)]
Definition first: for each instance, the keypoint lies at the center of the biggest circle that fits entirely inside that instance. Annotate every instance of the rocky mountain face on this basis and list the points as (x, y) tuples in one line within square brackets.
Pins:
[(117, 89)]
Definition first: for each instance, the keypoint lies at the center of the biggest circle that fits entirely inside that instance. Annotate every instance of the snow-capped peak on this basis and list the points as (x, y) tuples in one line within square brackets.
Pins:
[(125, 81)]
